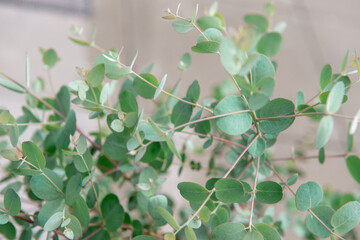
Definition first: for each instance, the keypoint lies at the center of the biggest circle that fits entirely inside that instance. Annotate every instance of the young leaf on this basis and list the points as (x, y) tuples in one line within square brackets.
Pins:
[(354, 123), (228, 56), (54, 221), (325, 76), (12, 202), (346, 217), (230, 124), (193, 192), (185, 62), (228, 231), (353, 165), (269, 192), (321, 155), (335, 98), (96, 75), (270, 44), (324, 132), (267, 232), (160, 87), (118, 73), (73, 189), (344, 62), (229, 190), (189, 233), (206, 47), (182, 26), (260, 22), (50, 58), (315, 227), (34, 155), (181, 113), (168, 218), (258, 147), (209, 22), (105, 92), (193, 92), (300, 99), (74, 226), (112, 211), (10, 86), (292, 179), (308, 195)]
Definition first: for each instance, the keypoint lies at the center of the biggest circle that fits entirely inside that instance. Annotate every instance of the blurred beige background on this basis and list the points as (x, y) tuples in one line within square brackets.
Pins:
[(317, 33)]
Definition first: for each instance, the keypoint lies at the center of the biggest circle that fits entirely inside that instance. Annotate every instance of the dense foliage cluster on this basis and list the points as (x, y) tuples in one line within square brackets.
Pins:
[(72, 176)]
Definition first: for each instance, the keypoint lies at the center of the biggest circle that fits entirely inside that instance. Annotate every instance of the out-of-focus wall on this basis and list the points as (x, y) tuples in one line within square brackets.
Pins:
[(318, 32)]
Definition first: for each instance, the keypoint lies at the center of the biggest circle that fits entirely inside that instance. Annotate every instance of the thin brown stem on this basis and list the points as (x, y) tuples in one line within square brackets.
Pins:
[(309, 210), (253, 193)]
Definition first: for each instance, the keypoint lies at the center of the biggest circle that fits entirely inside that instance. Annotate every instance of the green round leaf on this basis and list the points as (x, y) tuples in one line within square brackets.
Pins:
[(34, 155), (112, 211), (253, 236), (315, 227), (257, 101), (182, 26), (262, 69), (346, 217), (269, 192), (47, 186), (206, 47), (228, 231), (335, 98), (193, 192), (128, 102), (115, 146), (209, 22), (8, 230), (212, 34), (353, 165), (81, 211), (325, 76), (185, 62), (229, 190), (292, 179), (229, 56), (73, 189), (49, 208), (234, 124), (54, 221), (193, 92), (168, 218), (308, 196), (74, 225), (181, 113), (258, 147), (96, 75), (189, 233), (154, 202), (4, 218), (50, 58), (257, 20), (276, 108), (324, 132), (143, 88), (270, 44), (12, 202), (267, 232)]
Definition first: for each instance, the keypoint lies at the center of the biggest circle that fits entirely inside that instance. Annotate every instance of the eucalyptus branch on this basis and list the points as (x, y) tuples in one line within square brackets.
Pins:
[(253, 193), (308, 157), (307, 114), (192, 122), (213, 190), (309, 210)]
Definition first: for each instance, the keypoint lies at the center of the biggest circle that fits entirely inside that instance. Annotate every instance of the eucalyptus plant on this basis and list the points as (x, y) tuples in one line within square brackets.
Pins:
[(73, 178)]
